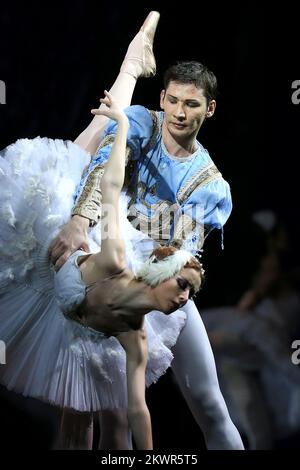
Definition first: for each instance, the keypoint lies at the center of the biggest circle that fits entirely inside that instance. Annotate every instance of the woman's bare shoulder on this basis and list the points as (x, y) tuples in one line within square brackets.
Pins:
[(96, 267)]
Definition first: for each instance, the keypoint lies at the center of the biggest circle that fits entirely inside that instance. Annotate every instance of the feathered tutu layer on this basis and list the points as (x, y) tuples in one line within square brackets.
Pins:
[(48, 356)]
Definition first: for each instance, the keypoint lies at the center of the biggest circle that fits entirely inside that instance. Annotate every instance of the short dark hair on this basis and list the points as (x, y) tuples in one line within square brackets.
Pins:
[(193, 72)]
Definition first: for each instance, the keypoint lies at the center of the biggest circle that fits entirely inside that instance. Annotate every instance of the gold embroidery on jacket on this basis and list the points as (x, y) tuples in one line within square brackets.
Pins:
[(89, 202), (202, 177), (165, 213)]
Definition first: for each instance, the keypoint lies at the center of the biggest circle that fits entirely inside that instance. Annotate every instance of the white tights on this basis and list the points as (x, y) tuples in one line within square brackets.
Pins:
[(195, 371)]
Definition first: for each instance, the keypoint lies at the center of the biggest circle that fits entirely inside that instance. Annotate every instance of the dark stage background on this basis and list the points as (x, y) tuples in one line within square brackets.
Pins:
[(56, 59)]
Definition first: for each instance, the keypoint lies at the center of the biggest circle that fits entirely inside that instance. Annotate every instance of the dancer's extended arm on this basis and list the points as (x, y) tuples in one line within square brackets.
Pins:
[(112, 255), (135, 345)]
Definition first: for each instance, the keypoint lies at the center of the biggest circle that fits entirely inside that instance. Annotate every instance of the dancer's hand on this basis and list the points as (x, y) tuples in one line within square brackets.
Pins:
[(72, 237), (111, 110)]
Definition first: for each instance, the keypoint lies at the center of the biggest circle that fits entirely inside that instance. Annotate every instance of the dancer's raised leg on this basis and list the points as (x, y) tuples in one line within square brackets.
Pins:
[(139, 61)]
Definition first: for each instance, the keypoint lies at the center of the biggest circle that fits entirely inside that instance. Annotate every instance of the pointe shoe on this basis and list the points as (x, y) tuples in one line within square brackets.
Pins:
[(139, 60)]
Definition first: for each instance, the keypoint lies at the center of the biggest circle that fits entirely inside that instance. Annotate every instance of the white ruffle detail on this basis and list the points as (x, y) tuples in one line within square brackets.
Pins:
[(38, 179), (154, 271)]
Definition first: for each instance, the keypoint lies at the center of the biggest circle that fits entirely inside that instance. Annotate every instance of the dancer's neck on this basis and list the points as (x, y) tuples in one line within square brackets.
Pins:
[(178, 147), (139, 298)]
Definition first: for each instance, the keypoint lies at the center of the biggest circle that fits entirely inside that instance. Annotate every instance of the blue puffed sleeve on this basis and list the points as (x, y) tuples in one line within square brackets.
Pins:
[(140, 129), (218, 205), (214, 201), (210, 206)]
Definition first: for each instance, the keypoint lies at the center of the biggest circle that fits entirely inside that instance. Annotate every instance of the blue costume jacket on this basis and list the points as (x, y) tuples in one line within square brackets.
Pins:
[(172, 198)]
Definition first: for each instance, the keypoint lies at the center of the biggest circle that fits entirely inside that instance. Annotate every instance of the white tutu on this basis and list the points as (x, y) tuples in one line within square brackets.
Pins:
[(48, 356)]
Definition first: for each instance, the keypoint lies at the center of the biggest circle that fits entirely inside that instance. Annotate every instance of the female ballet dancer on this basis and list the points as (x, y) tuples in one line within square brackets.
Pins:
[(102, 293), (101, 298)]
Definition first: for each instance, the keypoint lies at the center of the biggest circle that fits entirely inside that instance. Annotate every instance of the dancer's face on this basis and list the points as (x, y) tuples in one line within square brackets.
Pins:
[(175, 292), (185, 108)]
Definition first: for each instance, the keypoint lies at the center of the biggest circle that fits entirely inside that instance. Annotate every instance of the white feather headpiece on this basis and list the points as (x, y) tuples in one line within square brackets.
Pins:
[(155, 271)]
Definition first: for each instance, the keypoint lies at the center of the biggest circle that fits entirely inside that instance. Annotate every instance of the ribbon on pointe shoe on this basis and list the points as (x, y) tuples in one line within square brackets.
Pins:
[(139, 60)]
